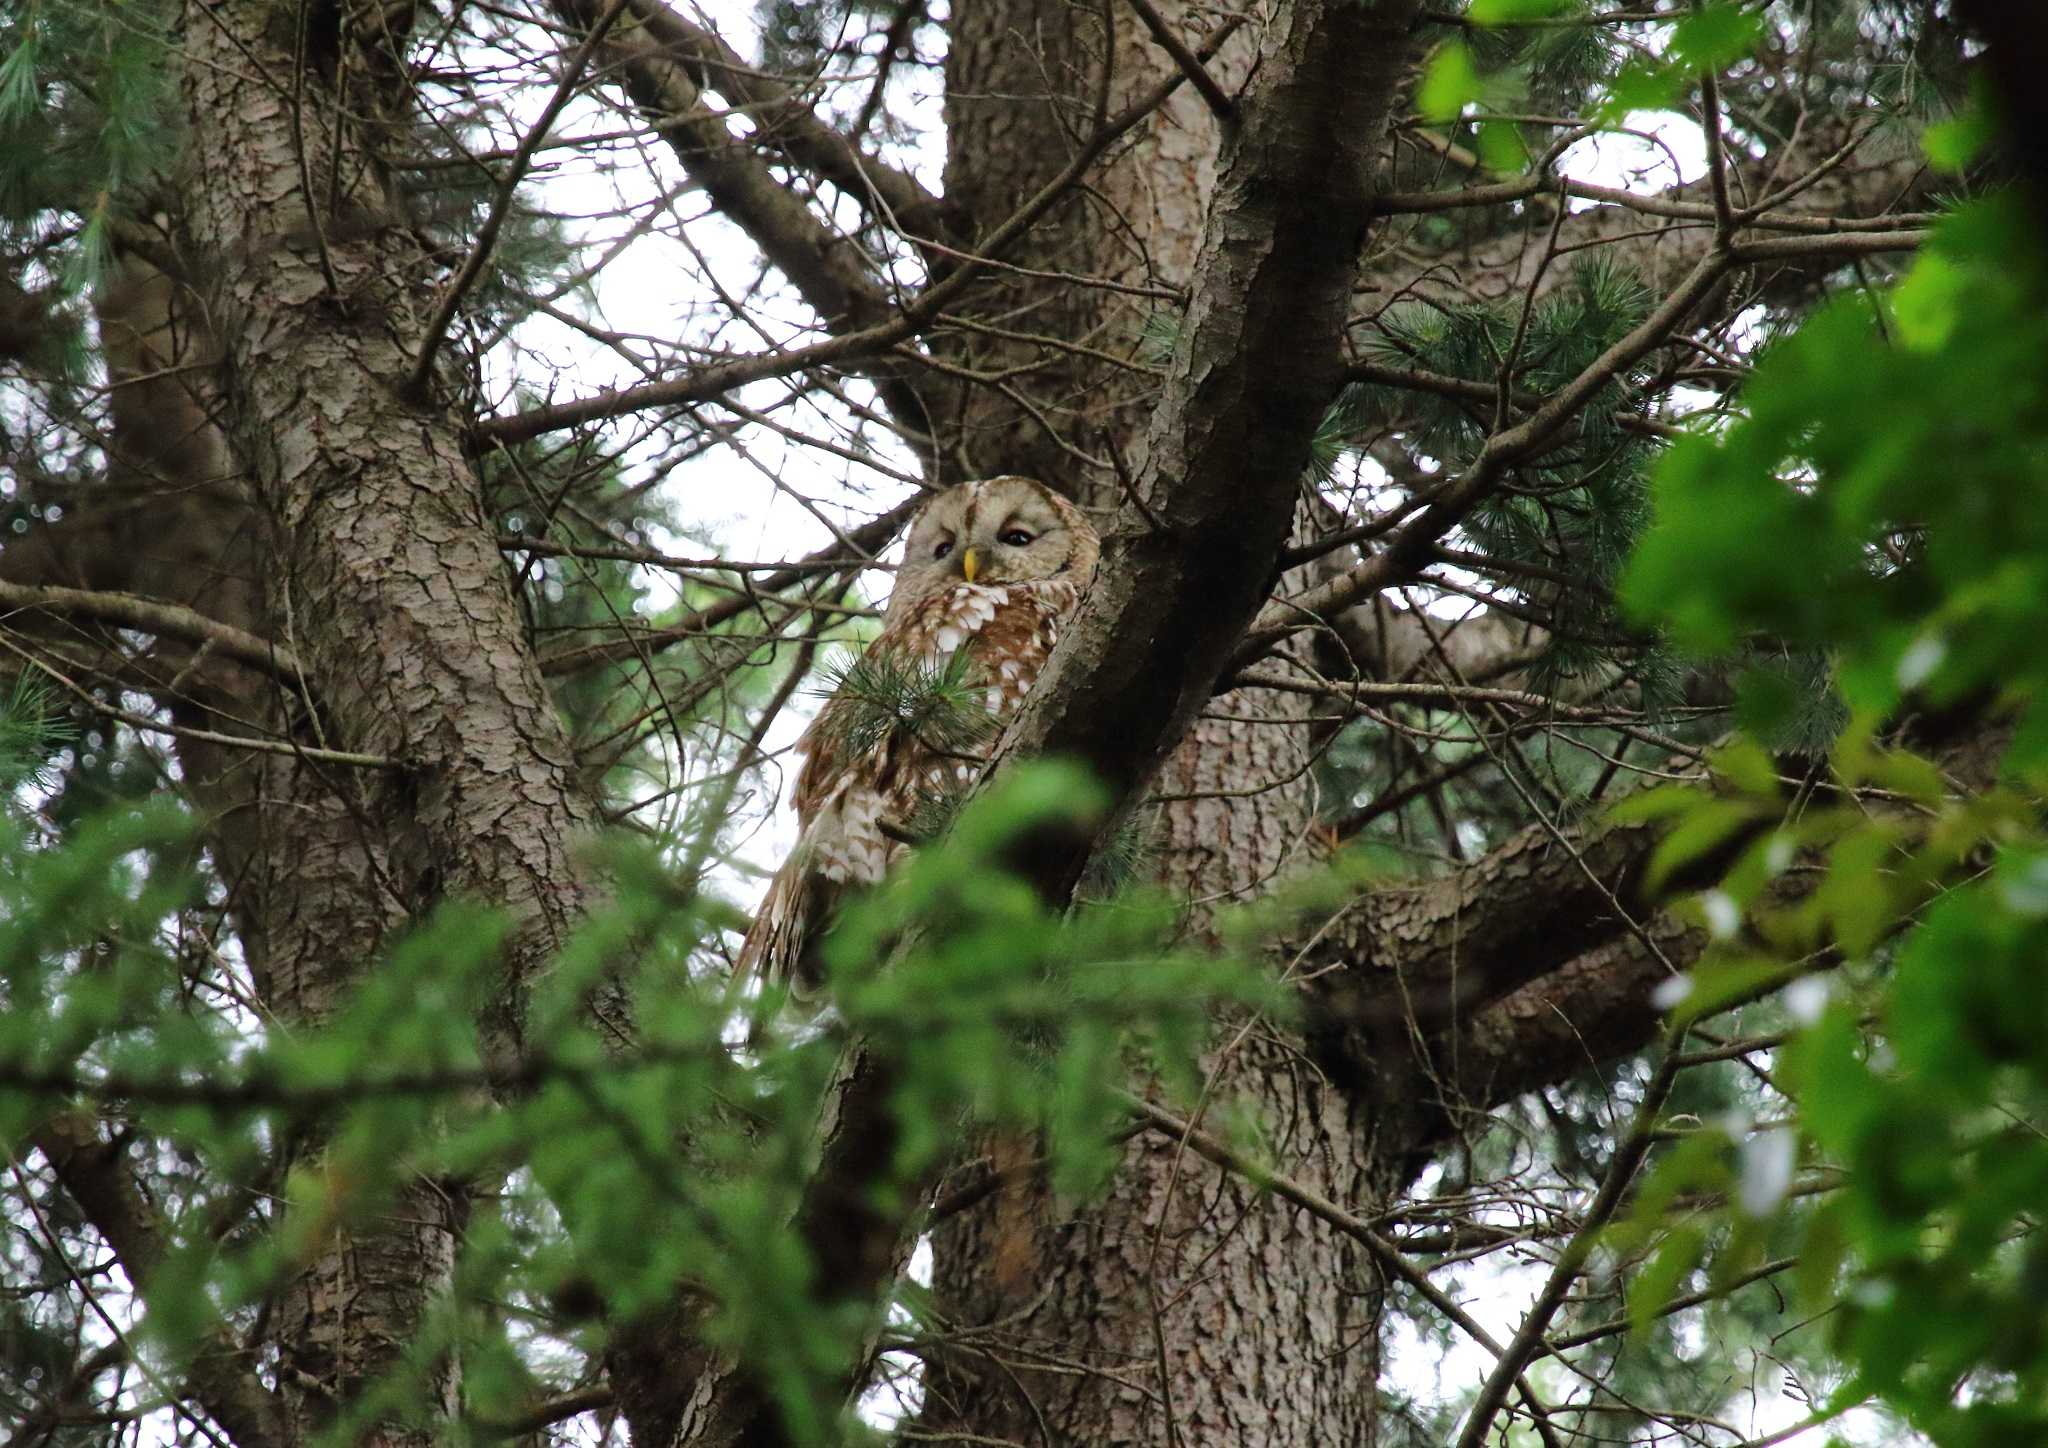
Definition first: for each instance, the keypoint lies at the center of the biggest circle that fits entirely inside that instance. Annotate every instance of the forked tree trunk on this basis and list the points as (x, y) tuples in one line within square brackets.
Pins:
[(1187, 1306)]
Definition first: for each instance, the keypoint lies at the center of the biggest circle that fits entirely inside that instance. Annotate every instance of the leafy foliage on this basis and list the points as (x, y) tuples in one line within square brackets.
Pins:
[(1895, 454), (992, 1009)]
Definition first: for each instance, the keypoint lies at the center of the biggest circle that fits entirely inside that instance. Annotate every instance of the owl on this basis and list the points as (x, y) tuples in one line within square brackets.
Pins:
[(992, 570)]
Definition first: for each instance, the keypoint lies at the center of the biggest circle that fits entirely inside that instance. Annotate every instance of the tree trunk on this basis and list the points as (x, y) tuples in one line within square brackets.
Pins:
[(381, 576), (1186, 1307)]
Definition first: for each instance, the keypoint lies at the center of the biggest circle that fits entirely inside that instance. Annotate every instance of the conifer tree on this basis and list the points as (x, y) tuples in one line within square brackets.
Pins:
[(1510, 918)]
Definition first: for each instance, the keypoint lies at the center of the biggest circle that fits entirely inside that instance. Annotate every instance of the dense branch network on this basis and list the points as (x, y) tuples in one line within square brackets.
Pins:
[(1310, 317)]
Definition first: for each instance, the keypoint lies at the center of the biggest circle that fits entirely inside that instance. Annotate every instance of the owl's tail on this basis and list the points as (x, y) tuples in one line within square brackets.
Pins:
[(781, 948)]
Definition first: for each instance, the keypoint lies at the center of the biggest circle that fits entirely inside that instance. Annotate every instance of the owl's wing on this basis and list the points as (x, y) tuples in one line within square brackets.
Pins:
[(839, 800), (779, 944), (842, 800), (842, 848)]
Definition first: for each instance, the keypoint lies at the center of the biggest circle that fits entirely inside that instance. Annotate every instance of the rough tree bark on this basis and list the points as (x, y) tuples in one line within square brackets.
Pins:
[(289, 490), (1186, 1305)]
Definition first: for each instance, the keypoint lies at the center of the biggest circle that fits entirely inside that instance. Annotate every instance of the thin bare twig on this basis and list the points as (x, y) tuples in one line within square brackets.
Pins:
[(165, 620), (1220, 105), (1529, 1341), (415, 385), (205, 736)]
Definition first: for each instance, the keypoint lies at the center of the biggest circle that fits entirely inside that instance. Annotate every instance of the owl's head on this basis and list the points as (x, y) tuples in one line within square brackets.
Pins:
[(996, 531)]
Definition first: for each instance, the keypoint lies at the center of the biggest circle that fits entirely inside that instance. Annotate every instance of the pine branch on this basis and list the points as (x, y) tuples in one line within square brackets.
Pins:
[(878, 695), (95, 1174)]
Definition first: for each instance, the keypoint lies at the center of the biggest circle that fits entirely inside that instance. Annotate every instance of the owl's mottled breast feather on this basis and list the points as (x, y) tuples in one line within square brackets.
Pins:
[(1008, 631)]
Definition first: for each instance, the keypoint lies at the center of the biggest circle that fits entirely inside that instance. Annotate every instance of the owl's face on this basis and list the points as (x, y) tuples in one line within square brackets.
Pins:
[(997, 531)]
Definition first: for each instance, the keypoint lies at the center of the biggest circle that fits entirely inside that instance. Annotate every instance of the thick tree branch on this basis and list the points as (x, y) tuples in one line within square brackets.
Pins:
[(1568, 1020), (550, 1411), (662, 65), (915, 316), (1528, 966), (1258, 356), (1843, 179), (384, 576), (786, 123), (1445, 948), (1672, 204)]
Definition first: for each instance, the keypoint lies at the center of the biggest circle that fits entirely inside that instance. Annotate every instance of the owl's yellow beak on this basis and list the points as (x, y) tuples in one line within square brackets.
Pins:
[(969, 565)]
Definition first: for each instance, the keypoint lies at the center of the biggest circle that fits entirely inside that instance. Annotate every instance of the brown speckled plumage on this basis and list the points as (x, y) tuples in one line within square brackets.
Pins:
[(1006, 617)]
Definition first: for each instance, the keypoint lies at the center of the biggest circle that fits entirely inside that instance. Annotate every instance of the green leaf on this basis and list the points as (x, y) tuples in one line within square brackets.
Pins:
[(1860, 759), (1514, 12), (1839, 1099), (1951, 145), (1641, 85), (1449, 83), (1725, 980), (1662, 802), (1745, 765), (2023, 883), (1716, 36), (1822, 1252), (1501, 147), (1698, 1163), (1660, 1280), (1856, 897), (1928, 303), (1710, 824)]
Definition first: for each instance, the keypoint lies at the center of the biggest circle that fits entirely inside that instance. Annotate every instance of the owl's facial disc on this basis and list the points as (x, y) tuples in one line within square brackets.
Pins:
[(995, 533), (1014, 539)]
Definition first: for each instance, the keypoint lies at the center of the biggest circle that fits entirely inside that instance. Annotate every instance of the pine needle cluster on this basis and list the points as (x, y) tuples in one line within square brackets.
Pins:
[(86, 121), (32, 731), (883, 696), (1562, 527)]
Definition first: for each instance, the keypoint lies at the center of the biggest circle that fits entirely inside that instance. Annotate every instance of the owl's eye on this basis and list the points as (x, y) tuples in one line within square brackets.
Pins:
[(945, 547), (1015, 538)]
